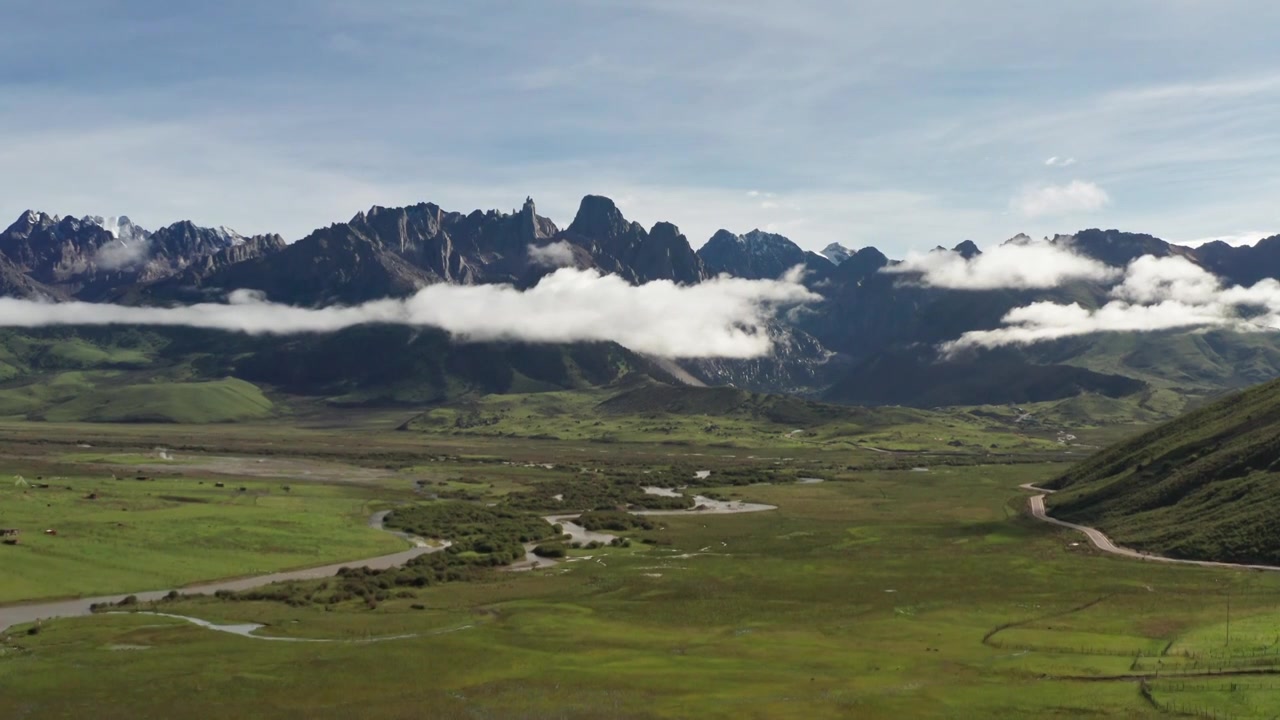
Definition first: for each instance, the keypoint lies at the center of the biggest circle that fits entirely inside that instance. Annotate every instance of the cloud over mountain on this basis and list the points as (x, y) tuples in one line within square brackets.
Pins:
[(1156, 294), (556, 254), (1020, 264), (724, 317)]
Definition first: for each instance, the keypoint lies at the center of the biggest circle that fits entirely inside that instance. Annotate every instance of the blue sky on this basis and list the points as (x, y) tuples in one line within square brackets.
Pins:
[(901, 124)]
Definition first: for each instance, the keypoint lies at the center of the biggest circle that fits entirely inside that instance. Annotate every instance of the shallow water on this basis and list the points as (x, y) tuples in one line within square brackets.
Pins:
[(662, 492)]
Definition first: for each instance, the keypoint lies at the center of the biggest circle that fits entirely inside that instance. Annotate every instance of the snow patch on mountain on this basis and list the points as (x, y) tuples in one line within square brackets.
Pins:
[(836, 253)]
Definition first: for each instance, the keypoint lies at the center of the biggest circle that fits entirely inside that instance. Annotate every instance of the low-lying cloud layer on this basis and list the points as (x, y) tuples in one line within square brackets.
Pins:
[(724, 317), (1156, 294), (1017, 265)]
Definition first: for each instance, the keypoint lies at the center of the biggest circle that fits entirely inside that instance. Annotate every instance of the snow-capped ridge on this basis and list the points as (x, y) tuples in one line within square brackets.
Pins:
[(837, 253)]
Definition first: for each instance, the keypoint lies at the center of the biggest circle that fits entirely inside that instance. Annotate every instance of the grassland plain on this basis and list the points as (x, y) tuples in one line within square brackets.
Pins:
[(124, 535), (880, 593)]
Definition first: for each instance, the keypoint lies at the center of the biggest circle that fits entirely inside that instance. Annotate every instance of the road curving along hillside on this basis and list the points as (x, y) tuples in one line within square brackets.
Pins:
[(1104, 543)]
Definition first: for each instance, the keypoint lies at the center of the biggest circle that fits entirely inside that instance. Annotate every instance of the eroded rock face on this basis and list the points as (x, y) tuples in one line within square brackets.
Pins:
[(386, 252)]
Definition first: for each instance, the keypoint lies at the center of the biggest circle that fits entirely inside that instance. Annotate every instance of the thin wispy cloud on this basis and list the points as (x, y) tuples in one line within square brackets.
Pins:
[(556, 254), (1074, 198), (1061, 162)]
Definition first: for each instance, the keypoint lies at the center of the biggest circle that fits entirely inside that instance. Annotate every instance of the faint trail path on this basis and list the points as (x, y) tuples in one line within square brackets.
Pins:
[(18, 614), (1104, 543)]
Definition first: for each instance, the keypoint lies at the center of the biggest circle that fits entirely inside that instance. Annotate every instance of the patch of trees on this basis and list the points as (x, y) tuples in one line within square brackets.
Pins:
[(484, 536), (358, 584), (551, 550), (617, 521)]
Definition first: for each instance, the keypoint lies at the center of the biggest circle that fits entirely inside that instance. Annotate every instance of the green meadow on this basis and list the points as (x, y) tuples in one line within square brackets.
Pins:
[(127, 534), (882, 592)]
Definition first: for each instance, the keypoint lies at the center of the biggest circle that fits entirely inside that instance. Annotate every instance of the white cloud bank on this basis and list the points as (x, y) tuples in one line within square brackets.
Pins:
[(1075, 197), (723, 317), (1019, 265), (1156, 294)]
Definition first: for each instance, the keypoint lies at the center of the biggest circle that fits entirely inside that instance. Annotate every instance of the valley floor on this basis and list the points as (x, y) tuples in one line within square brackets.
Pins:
[(901, 586)]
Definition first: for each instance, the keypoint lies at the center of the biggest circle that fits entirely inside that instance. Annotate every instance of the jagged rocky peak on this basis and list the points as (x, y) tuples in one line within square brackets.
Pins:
[(755, 242), (29, 221), (862, 264), (724, 237), (837, 253), (665, 231), (184, 240), (754, 255), (760, 238), (1019, 239), (1118, 248), (967, 250), (533, 227), (599, 217)]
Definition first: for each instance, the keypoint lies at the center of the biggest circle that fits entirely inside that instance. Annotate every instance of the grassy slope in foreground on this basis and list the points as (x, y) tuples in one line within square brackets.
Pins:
[(1202, 486)]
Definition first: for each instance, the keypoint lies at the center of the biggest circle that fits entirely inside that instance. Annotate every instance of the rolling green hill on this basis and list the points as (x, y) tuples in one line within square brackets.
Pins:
[(642, 410), (1203, 486)]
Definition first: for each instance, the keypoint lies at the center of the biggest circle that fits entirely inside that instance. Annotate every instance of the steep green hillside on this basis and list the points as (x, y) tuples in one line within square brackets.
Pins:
[(1192, 363), (1205, 486)]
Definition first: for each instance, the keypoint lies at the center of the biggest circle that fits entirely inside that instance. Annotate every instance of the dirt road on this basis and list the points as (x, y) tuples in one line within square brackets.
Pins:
[(1104, 543)]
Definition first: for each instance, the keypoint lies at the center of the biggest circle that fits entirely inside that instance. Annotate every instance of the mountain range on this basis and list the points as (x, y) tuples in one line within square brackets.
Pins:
[(872, 338)]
